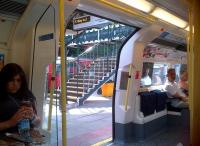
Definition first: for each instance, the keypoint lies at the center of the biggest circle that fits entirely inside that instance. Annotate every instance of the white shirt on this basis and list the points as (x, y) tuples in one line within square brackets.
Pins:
[(172, 88)]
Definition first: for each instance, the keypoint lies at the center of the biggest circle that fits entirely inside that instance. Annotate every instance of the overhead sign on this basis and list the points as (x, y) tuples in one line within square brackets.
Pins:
[(87, 22), (46, 37), (81, 20)]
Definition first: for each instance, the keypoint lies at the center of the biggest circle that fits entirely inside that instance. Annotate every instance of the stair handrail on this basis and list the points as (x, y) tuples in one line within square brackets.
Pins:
[(94, 46), (101, 52)]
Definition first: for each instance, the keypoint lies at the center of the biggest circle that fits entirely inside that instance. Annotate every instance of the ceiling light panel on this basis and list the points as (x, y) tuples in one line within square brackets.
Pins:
[(168, 17), (142, 5), (187, 28)]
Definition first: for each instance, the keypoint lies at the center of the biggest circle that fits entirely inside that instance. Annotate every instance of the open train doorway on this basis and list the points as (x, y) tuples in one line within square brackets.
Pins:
[(92, 45)]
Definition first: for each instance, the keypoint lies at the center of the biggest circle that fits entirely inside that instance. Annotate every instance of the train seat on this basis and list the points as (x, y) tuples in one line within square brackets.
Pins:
[(152, 102)]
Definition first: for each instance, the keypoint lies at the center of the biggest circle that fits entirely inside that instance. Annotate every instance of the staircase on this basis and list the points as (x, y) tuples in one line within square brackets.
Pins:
[(91, 69), (89, 79)]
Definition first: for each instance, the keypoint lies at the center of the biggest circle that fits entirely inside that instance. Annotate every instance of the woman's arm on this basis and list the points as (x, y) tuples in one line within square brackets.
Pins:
[(36, 121), (18, 116), (5, 125), (12, 121)]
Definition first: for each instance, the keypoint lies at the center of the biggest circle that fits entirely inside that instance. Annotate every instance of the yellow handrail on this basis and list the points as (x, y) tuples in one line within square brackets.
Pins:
[(128, 86), (51, 96), (194, 70), (190, 69), (63, 72), (136, 13)]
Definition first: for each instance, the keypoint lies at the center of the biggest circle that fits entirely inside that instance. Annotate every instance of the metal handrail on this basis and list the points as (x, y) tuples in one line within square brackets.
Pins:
[(96, 61)]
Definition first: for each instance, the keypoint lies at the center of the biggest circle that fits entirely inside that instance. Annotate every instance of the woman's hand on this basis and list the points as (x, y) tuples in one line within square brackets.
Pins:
[(36, 121), (28, 112), (22, 113), (184, 99), (18, 116)]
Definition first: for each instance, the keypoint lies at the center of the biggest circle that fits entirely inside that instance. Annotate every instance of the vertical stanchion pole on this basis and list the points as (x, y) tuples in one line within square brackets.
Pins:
[(128, 84), (190, 71), (63, 73), (51, 96)]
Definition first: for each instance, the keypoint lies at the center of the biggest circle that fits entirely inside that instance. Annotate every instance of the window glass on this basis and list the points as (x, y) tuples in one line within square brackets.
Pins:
[(177, 68), (159, 75), (153, 74), (147, 71)]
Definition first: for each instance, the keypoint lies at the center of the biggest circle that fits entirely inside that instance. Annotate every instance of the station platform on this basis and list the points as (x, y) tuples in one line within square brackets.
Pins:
[(86, 125), (91, 125)]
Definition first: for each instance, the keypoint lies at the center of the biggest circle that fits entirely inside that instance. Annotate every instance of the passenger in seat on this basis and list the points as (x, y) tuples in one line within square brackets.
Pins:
[(13, 94), (183, 83), (178, 98)]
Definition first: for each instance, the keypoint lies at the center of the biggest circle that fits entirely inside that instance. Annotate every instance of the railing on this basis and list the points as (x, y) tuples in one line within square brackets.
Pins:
[(93, 64), (97, 60)]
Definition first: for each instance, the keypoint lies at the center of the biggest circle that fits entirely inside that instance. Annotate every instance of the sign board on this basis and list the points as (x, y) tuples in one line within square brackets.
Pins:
[(157, 54), (81, 20), (87, 22), (46, 37)]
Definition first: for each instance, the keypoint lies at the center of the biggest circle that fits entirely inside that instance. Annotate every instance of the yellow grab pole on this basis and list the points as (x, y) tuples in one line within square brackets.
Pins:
[(126, 10), (51, 96), (128, 84), (63, 72), (190, 70)]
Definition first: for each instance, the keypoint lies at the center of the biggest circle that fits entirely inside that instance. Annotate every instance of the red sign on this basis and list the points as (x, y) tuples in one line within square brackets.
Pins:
[(137, 75)]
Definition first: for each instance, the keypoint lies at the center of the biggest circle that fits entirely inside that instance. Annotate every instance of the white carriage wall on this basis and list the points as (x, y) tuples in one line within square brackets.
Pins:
[(45, 51), (22, 48), (43, 54), (7, 26), (22, 51), (132, 53), (22, 41)]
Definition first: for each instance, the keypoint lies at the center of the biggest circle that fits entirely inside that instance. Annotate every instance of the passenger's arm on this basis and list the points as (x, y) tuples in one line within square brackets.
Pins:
[(183, 98), (35, 121), (175, 93), (5, 125), (19, 115)]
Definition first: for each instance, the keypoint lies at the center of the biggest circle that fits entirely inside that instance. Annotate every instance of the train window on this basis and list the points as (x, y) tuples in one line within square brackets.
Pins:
[(177, 68), (159, 74), (153, 74), (147, 71)]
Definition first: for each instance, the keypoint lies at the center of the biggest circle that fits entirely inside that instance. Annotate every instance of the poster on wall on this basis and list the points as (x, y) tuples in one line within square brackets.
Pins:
[(1, 61), (163, 54)]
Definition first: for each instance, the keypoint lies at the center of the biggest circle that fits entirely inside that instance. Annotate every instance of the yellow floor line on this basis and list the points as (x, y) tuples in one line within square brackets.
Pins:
[(103, 142)]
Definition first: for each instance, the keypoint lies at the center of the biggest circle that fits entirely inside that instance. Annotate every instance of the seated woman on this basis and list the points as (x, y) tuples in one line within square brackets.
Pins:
[(183, 83), (13, 91)]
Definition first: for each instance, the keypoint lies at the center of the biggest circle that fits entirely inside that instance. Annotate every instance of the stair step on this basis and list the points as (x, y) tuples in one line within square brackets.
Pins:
[(74, 93), (87, 77), (96, 73), (74, 88), (102, 70), (79, 84), (72, 98), (83, 80)]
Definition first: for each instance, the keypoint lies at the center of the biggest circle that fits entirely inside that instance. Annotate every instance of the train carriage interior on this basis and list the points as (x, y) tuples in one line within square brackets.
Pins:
[(110, 67)]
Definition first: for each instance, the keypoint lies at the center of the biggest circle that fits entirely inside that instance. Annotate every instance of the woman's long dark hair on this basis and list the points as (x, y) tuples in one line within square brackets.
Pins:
[(7, 74)]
